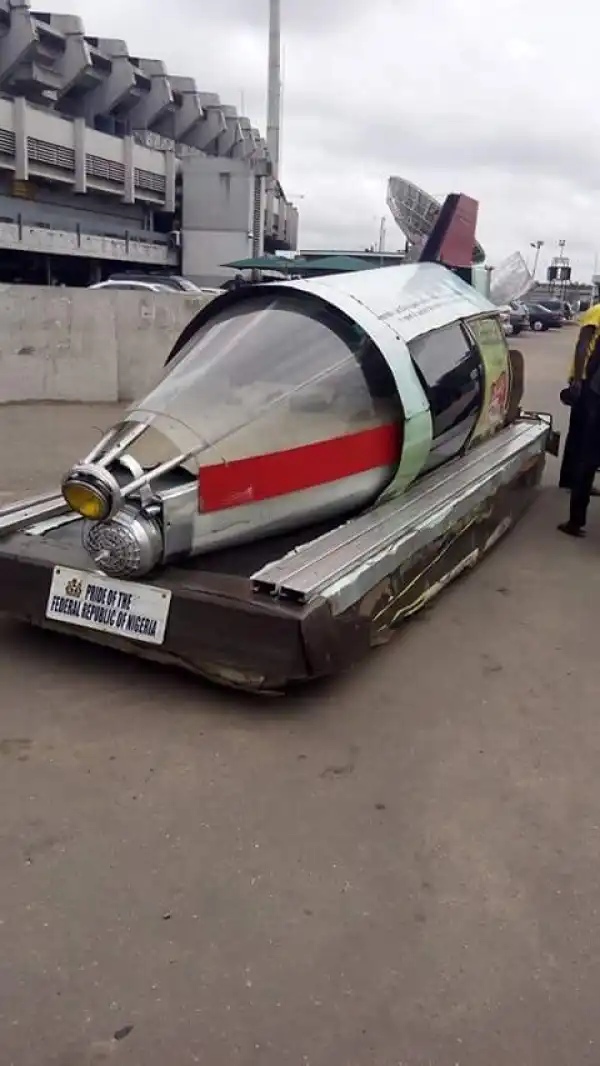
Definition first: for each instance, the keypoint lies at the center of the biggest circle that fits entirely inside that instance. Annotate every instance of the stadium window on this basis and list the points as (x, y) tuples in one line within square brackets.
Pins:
[(451, 373)]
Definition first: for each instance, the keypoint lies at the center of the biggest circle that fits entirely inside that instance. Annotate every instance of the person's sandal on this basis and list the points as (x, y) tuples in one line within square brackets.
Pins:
[(571, 530)]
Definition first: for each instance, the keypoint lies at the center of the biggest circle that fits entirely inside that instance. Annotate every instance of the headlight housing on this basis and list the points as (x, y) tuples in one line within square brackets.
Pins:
[(92, 492)]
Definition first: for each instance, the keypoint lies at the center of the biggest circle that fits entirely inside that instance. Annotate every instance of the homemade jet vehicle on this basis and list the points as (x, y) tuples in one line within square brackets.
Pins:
[(319, 459)]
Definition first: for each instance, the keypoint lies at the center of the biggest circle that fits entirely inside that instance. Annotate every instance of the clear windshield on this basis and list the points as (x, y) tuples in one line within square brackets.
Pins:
[(273, 372)]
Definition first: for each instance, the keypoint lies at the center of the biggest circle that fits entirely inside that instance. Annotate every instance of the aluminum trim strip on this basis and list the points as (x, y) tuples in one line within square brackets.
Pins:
[(307, 570), (28, 502), (41, 528), (350, 587), (18, 520)]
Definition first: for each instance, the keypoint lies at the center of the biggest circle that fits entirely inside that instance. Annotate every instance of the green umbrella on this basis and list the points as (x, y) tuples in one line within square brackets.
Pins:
[(338, 263), (267, 262)]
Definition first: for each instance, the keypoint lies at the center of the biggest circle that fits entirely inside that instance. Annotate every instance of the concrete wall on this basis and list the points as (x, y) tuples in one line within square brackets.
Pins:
[(86, 345), (61, 208), (216, 217)]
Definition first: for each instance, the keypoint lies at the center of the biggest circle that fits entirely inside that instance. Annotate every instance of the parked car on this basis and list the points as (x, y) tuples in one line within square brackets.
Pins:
[(562, 306), (505, 320), (542, 318), (519, 318), (153, 283), (513, 321), (170, 281), (138, 286)]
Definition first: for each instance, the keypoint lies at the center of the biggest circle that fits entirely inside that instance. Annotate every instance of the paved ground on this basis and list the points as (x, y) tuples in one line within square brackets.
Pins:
[(401, 867)]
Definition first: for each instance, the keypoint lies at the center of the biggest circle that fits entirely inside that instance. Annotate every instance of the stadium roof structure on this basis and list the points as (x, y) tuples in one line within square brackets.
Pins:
[(52, 62), (415, 212)]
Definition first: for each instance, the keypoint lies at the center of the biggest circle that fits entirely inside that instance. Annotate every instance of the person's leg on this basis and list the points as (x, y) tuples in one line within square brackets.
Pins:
[(584, 469), (572, 445), (581, 492)]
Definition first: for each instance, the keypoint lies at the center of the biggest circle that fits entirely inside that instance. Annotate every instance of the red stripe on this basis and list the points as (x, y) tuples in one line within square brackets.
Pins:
[(263, 477), (459, 240)]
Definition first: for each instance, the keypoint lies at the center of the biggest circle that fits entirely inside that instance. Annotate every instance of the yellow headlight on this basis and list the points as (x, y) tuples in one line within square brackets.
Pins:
[(90, 502)]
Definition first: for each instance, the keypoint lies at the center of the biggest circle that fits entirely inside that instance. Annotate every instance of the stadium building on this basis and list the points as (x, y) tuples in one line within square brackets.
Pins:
[(108, 162)]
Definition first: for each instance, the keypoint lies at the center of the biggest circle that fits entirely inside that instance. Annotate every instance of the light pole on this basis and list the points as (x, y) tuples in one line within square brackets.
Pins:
[(274, 86), (537, 245)]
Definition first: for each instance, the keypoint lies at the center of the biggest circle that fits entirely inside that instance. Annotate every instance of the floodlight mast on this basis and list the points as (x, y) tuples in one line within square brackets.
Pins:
[(274, 86), (537, 246)]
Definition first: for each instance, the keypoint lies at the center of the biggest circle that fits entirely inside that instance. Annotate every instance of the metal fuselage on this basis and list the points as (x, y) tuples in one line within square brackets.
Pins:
[(297, 402), (318, 461)]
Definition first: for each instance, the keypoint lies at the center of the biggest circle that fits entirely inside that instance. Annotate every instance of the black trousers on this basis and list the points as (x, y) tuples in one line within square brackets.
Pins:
[(572, 443), (585, 462)]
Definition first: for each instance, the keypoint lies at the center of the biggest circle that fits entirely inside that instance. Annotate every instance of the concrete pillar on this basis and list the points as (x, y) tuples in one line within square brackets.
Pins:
[(20, 126), (292, 227), (79, 137), (129, 193), (170, 171), (269, 206), (257, 215)]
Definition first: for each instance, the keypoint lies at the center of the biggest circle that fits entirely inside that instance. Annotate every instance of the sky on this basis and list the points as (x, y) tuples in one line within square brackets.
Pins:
[(493, 98)]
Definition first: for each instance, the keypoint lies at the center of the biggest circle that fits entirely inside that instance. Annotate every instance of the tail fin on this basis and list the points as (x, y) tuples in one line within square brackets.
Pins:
[(452, 239)]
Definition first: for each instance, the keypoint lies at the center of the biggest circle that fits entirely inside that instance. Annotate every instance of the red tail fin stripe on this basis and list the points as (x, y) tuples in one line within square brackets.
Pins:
[(264, 477), (452, 239), (459, 240)]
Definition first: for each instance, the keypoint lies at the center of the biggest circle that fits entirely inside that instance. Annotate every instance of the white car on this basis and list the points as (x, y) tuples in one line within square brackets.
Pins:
[(505, 321), (154, 285), (139, 286)]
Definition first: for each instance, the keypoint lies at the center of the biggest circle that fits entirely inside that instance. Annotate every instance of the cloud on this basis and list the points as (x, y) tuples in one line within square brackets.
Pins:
[(495, 99), (302, 17)]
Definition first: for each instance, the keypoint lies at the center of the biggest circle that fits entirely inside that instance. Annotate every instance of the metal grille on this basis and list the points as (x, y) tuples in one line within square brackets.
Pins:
[(51, 155), (106, 169), (7, 142), (62, 158), (145, 179), (115, 546)]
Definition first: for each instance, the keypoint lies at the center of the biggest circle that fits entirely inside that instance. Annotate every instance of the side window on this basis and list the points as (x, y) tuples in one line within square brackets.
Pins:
[(451, 373)]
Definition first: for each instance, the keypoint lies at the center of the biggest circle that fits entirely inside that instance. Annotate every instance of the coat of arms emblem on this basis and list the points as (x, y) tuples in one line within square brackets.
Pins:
[(74, 588)]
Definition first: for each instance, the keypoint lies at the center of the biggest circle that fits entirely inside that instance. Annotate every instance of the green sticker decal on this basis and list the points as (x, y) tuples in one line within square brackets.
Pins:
[(491, 342)]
